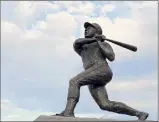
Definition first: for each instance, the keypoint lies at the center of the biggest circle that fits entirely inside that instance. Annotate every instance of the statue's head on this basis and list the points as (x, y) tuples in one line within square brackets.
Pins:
[(91, 29)]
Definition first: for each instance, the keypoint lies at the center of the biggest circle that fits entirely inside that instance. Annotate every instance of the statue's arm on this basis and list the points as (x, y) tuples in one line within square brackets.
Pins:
[(77, 48), (80, 42), (107, 50)]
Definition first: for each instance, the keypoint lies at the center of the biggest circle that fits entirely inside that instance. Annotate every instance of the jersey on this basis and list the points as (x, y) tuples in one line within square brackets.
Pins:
[(92, 55)]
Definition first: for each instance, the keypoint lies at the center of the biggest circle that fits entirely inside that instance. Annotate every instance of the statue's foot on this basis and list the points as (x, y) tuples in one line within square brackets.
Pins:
[(61, 114), (65, 114), (143, 116)]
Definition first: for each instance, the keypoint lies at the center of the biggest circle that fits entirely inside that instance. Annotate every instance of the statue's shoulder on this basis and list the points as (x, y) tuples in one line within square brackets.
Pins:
[(106, 44), (79, 40)]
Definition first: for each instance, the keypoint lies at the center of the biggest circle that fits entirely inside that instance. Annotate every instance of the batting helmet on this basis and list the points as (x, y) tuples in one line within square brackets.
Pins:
[(95, 25)]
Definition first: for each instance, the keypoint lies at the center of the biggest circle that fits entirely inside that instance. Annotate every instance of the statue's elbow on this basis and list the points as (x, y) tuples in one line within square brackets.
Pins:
[(76, 44), (78, 41), (112, 57)]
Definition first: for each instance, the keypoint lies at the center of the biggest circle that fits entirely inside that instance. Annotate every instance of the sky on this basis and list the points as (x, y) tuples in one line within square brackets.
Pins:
[(38, 60)]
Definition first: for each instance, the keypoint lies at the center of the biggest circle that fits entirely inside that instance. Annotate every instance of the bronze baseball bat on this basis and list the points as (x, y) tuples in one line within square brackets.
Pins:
[(127, 46)]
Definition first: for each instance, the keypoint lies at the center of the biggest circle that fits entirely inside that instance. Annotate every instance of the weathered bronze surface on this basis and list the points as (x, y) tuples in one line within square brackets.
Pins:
[(95, 52)]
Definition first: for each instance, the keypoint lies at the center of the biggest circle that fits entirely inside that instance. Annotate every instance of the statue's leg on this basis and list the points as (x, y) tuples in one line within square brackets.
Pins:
[(100, 95), (87, 77)]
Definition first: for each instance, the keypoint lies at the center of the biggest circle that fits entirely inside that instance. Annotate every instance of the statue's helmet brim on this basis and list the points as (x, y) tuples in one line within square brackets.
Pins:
[(87, 24)]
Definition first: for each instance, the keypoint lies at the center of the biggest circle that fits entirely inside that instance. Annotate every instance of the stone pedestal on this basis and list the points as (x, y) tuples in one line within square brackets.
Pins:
[(59, 118), (74, 119)]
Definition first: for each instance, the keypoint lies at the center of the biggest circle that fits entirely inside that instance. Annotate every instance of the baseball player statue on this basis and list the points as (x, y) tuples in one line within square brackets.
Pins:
[(94, 51)]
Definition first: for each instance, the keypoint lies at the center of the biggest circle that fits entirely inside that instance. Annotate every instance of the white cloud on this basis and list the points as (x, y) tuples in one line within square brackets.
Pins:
[(30, 8), (85, 9), (28, 12), (148, 82), (140, 4), (107, 8), (67, 4), (61, 24), (11, 112), (58, 29), (77, 7), (11, 36), (138, 30), (26, 8), (50, 39), (10, 28)]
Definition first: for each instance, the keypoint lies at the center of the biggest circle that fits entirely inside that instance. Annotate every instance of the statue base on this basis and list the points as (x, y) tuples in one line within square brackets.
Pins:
[(60, 118)]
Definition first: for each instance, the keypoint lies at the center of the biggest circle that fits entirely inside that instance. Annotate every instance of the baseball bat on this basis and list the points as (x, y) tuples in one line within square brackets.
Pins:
[(127, 46)]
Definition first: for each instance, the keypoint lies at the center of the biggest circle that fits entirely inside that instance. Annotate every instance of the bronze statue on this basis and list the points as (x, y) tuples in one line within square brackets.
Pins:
[(94, 52)]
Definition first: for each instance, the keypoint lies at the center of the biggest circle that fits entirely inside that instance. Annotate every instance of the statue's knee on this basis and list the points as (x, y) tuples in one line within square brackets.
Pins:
[(73, 81), (106, 106), (118, 104), (102, 107), (115, 105)]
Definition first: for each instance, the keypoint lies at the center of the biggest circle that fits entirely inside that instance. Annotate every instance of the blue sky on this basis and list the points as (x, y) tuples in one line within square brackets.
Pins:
[(38, 59)]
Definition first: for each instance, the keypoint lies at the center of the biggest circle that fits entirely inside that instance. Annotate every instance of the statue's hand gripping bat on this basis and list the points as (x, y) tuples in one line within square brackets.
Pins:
[(124, 45)]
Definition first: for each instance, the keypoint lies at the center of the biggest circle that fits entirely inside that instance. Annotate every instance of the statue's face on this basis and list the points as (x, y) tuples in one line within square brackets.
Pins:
[(89, 32)]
